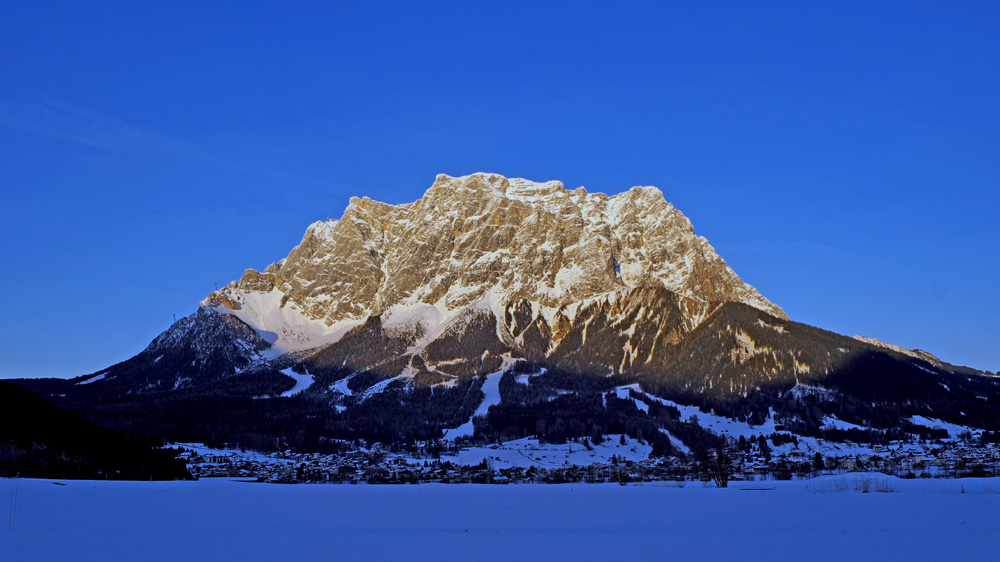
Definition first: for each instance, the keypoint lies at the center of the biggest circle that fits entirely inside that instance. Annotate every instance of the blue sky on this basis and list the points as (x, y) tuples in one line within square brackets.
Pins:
[(842, 157)]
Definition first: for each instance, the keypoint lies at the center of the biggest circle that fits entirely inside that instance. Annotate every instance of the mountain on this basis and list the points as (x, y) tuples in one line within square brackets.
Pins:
[(399, 322)]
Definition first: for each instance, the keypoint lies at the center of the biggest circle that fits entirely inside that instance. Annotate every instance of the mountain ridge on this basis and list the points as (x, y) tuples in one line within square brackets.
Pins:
[(479, 237), (388, 323)]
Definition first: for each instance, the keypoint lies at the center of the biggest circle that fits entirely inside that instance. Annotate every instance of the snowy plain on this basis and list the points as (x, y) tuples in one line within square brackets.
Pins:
[(223, 519)]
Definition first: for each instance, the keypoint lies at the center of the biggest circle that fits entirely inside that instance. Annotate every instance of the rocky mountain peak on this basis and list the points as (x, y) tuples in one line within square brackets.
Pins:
[(483, 237)]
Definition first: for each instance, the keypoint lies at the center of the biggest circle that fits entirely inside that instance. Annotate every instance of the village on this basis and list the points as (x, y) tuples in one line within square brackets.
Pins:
[(628, 460)]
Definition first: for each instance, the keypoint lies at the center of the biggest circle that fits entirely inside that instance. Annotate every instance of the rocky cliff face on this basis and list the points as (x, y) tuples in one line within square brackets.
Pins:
[(483, 243)]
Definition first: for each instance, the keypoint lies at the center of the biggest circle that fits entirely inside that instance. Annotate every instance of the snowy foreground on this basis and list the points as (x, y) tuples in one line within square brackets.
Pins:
[(828, 518)]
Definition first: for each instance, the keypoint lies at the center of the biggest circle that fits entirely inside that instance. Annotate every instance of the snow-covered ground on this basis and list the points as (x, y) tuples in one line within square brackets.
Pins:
[(832, 422), (302, 382), (823, 519), (248, 455), (716, 424), (529, 452), (491, 397), (287, 328), (734, 429), (953, 430)]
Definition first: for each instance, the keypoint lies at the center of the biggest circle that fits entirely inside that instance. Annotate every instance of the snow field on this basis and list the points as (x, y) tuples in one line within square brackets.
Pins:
[(491, 391), (223, 519), (285, 327), (529, 452), (953, 429), (302, 382), (716, 424), (734, 429)]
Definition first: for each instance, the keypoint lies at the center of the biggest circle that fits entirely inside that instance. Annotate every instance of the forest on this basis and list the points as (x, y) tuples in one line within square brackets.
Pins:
[(41, 440)]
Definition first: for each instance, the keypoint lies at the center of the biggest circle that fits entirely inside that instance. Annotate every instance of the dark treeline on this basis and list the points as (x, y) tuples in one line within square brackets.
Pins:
[(229, 412), (712, 369), (41, 440), (875, 390)]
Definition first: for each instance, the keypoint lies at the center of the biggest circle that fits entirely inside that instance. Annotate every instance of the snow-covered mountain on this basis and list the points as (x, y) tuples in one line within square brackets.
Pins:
[(485, 276), (480, 242), (520, 263)]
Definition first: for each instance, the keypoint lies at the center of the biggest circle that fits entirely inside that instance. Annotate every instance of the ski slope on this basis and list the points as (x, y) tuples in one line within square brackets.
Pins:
[(302, 382)]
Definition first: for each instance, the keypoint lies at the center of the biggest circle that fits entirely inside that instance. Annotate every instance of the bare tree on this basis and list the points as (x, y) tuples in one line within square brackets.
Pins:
[(719, 466)]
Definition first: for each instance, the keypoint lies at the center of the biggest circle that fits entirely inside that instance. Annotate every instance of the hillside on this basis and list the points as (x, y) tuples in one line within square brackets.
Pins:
[(41, 440)]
